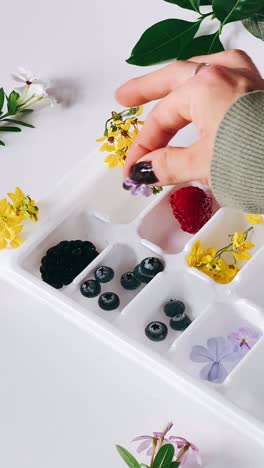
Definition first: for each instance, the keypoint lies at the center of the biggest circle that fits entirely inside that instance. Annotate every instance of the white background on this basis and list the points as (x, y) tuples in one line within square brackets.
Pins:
[(64, 403)]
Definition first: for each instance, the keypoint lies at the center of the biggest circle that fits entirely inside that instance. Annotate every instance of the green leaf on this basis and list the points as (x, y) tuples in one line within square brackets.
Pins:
[(12, 102), (144, 466), (2, 143), (10, 129), (19, 122), (255, 25), (164, 457), (26, 111), (234, 10), (127, 457), (2, 98), (163, 41), (175, 464), (203, 45)]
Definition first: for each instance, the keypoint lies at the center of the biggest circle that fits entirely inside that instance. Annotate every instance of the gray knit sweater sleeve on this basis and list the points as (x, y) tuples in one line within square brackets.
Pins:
[(237, 170)]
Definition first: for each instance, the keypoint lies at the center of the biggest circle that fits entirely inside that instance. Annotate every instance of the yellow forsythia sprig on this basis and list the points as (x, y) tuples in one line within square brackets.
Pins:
[(211, 263), (121, 129), (12, 216)]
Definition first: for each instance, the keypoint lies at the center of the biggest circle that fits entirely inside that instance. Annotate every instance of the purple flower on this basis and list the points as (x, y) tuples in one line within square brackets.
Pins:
[(218, 350), (245, 338), (147, 441), (187, 450), (136, 189)]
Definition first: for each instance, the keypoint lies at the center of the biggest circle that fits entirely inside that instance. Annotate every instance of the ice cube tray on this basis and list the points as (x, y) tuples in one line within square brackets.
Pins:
[(89, 204)]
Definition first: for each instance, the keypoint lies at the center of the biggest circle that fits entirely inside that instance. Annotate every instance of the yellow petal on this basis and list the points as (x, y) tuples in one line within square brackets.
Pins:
[(140, 111), (254, 218), (103, 138), (3, 244), (16, 242), (106, 147)]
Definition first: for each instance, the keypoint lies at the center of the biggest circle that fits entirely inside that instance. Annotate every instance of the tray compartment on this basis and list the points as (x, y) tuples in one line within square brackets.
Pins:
[(113, 203), (79, 226), (246, 384), (160, 227), (122, 258), (219, 320), (196, 294)]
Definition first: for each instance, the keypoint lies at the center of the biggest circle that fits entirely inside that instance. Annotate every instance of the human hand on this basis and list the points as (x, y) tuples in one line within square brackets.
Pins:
[(201, 98)]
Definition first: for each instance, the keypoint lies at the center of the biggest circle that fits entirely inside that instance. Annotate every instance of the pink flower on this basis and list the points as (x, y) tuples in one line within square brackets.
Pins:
[(187, 450), (147, 441)]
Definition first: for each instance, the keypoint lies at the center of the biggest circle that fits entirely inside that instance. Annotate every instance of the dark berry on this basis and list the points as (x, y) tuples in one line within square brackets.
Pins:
[(174, 308), (180, 323), (104, 274), (156, 331), (109, 301), (151, 266), (90, 288), (64, 261), (129, 281), (140, 276)]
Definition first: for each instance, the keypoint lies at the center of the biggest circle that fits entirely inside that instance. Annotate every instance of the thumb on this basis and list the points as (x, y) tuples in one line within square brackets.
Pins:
[(170, 166)]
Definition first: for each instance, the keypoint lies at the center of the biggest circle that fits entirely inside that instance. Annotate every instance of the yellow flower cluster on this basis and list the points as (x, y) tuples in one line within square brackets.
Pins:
[(120, 132), (12, 216), (211, 263)]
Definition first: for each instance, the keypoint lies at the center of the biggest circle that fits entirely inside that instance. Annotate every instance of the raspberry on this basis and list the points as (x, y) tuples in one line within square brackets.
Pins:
[(192, 207)]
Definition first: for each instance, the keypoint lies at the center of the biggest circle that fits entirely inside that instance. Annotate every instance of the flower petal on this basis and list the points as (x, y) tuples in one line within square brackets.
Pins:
[(144, 446), (200, 354)]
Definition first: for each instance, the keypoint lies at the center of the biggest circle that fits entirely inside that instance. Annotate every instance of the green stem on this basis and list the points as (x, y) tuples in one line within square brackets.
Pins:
[(186, 448), (154, 444)]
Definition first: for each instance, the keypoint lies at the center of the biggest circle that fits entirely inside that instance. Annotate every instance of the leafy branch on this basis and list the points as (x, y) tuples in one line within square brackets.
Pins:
[(176, 38), (12, 107)]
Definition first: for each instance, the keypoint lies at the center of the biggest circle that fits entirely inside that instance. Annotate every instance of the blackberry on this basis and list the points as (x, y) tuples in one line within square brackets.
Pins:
[(64, 261)]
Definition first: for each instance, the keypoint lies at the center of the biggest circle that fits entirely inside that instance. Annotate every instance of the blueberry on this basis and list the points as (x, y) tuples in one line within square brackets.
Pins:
[(90, 288), (140, 276), (174, 308), (151, 266), (156, 331), (180, 323), (129, 281), (104, 274), (109, 301)]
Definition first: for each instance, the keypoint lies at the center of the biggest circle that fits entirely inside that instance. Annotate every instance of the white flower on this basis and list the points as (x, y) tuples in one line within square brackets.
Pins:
[(30, 83)]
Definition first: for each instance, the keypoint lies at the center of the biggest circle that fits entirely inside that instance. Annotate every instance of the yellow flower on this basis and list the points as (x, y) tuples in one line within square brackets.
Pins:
[(220, 271), (10, 226), (194, 259), (254, 218), (115, 159), (23, 205), (241, 247)]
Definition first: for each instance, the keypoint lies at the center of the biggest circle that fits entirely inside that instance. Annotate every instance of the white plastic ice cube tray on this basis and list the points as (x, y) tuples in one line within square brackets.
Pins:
[(89, 204)]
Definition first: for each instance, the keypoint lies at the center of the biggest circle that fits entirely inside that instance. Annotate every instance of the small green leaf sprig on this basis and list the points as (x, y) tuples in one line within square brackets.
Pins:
[(12, 108), (176, 38), (164, 452)]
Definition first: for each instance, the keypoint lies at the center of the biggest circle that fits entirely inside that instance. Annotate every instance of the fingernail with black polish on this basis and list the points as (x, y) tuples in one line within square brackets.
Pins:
[(143, 173), (126, 187)]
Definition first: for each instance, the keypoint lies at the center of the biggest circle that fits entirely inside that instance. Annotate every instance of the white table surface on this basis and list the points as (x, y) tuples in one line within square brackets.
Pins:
[(70, 402)]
